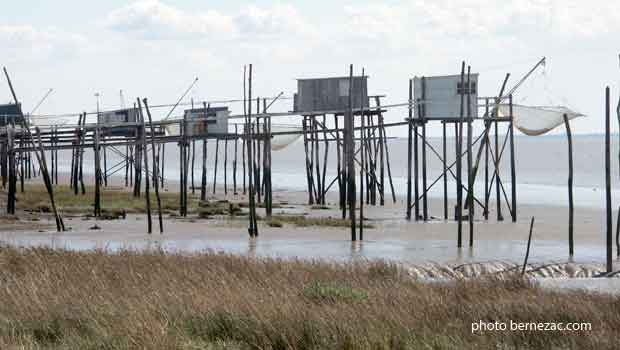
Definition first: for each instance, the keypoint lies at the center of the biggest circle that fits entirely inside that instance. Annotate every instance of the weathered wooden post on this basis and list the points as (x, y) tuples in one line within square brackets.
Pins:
[(608, 208), (362, 162), (513, 172), (424, 168), (445, 169), (163, 163), (60, 226), (409, 144), (253, 228), (193, 146), (459, 180), (235, 162), (339, 164), (569, 138), (96, 150), (81, 151), (155, 168), (350, 157), (226, 165), (470, 170), (487, 125), (498, 197), (147, 188), (10, 130), (217, 152), (308, 166), (268, 188)]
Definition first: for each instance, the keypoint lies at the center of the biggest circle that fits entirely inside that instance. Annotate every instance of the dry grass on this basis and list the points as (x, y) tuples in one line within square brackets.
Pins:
[(70, 300)]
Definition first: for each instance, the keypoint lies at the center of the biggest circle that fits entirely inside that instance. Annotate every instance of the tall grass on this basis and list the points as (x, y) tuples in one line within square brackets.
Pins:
[(153, 300)]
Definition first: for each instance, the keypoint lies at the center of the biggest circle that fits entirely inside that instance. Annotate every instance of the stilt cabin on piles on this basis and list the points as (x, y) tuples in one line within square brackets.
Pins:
[(114, 121), (210, 121), (330, 94), (11, 114)]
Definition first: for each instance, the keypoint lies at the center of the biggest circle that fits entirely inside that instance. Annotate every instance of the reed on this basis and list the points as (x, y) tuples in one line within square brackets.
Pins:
[(54, 299)]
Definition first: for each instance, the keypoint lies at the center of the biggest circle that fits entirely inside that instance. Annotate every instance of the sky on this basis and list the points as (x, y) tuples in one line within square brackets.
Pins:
[(155, 49)]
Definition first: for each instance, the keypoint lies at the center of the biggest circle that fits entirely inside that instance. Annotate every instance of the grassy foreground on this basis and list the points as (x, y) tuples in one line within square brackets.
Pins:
[(94, 300)]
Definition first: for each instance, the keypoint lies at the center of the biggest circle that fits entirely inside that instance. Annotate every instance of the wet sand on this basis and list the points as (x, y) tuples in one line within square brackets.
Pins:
[(392, 238)]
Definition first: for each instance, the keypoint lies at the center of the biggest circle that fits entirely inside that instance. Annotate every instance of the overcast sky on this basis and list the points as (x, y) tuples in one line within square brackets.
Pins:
[(155, 48)]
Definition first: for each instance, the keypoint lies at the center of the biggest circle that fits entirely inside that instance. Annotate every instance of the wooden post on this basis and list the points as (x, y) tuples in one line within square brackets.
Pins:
[(235, 162), (486, 162), (81, 160), (96, 150), (155, 169), (315, 136), (226, 165), (217, 151), (416, 170), (339, 168), (10, 130), (181, 166), (243, 148), (362, 163), (105, 162), (529, 243), (193, 146), (268, 188), (60, 226), (618, 221), (570, 187), (308, 166), (253, 229), (126, 166), (513, 172), (470, 173), (445, 172), (163, 163), (381, 162), (147, 188), (203, 182), (257, 154), (459, 181), (409, 144), (325, 155), (608, 226), (424, 168), (350, 155), (21, 163), (498, 197)]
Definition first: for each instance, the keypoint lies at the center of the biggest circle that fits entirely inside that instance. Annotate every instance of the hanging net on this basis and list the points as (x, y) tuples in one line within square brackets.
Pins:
[(172, 129), (278, 142), (537, 120)]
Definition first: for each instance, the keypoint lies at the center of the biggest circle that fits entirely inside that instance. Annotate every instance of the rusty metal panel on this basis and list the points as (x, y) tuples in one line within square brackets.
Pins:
[(212, 121)]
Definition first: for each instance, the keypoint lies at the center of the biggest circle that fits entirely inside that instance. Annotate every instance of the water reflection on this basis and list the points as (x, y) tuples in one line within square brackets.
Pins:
[(442, 251)]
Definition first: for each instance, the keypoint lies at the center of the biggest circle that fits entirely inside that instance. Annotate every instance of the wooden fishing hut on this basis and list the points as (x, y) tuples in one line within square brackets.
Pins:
[(347, 100), (454, 100)]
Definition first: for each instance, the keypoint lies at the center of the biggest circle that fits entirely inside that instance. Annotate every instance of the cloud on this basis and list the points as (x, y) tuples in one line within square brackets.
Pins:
[(155, 20), (27, 43), (152, 19), (467, 20)]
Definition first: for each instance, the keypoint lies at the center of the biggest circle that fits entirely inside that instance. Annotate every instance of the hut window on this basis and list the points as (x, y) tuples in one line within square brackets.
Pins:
[(343, 87)]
